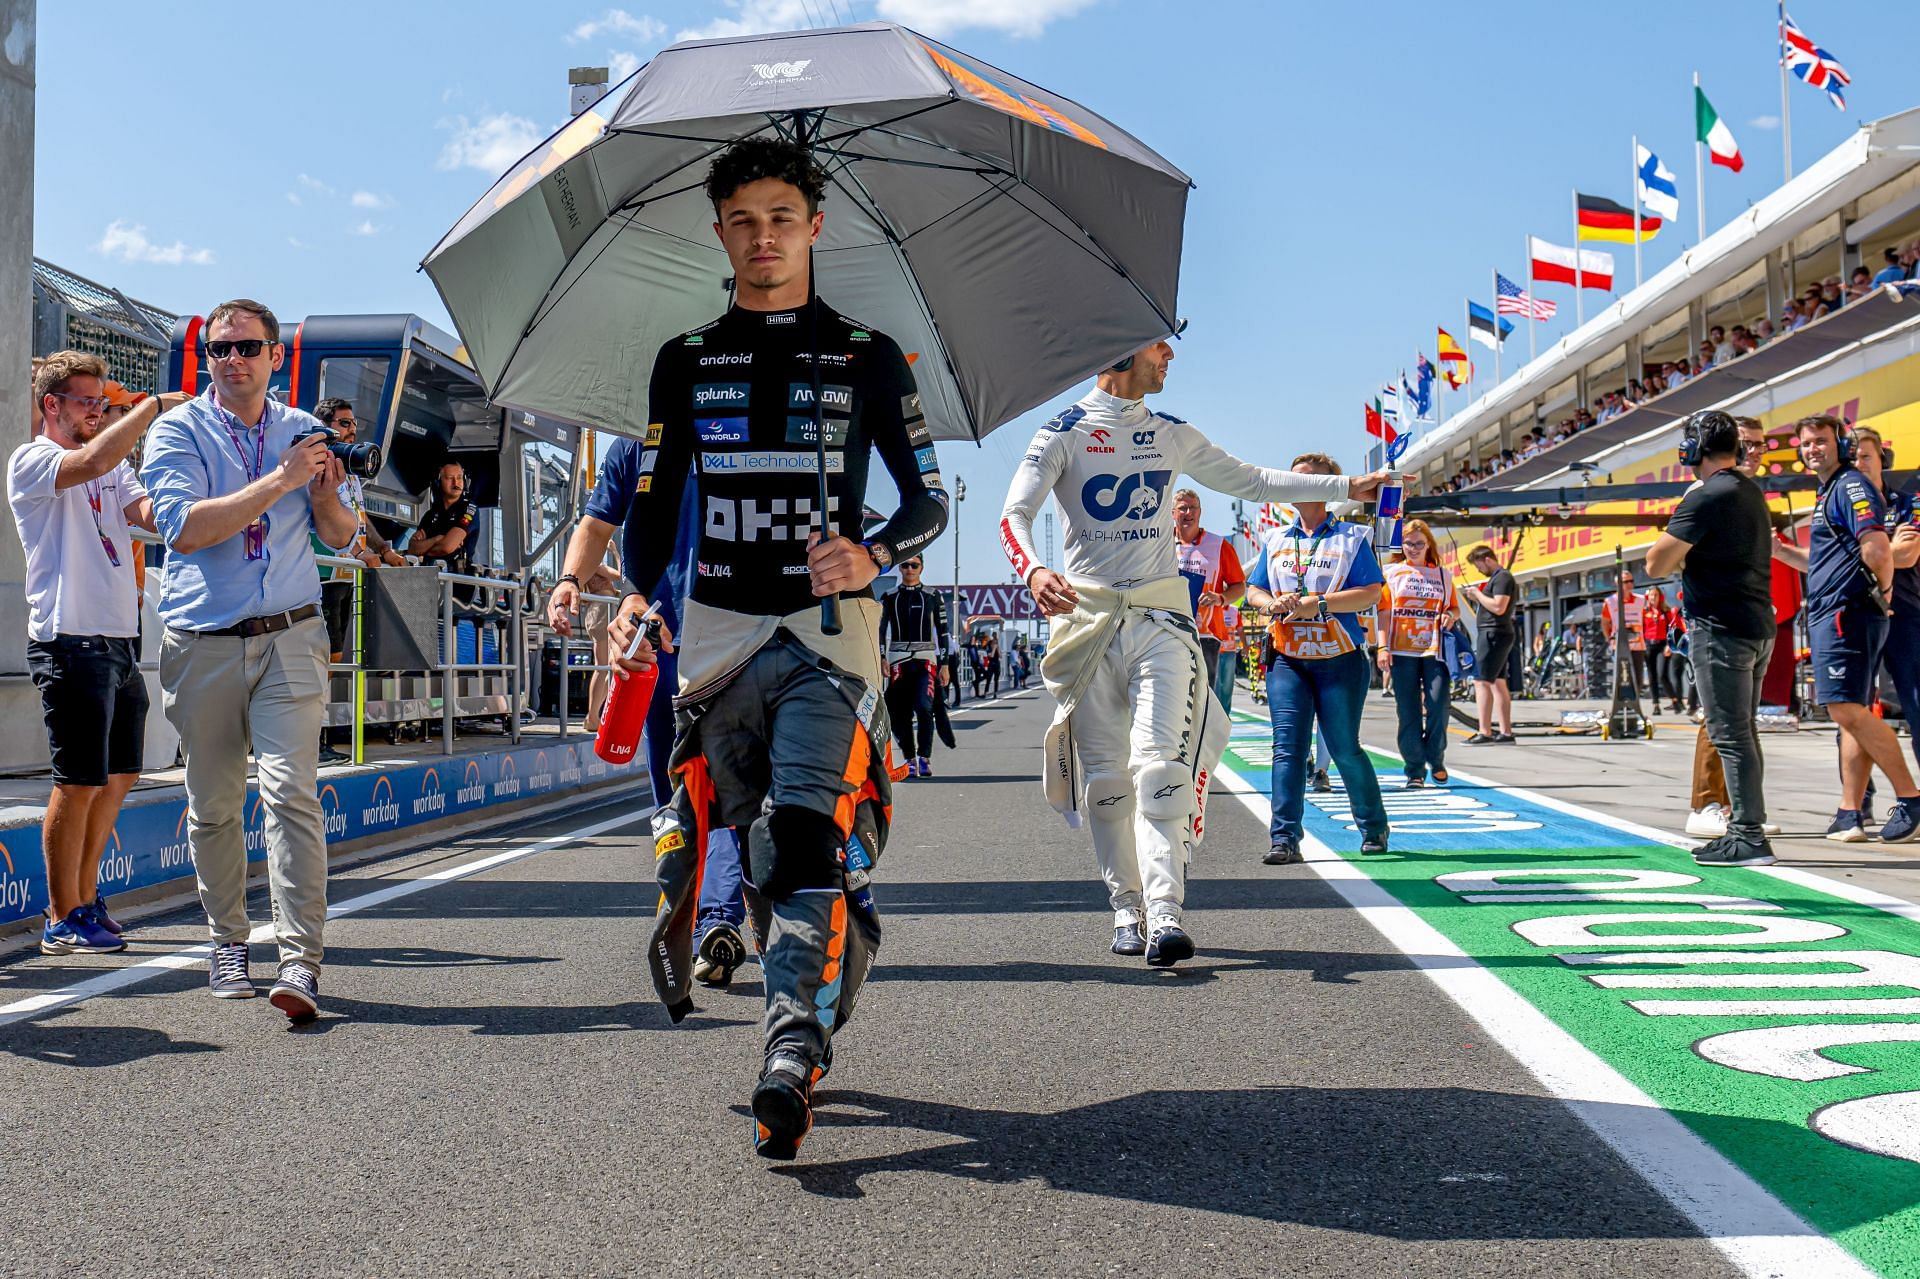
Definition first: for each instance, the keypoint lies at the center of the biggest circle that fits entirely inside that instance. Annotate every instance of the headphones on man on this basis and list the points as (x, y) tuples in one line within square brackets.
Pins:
[(1695, 430), (1849, 448)]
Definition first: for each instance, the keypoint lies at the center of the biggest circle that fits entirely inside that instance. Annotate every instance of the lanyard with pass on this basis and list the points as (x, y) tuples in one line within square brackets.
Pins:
[(106, 543), (256, 532)]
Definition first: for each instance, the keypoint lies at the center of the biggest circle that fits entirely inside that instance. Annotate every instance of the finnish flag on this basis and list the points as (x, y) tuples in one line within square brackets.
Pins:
[(1657, 190)]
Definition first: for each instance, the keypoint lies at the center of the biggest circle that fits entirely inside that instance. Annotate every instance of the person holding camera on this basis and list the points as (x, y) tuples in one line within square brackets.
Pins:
[(239, 483), (73, 497), (1849, 565)]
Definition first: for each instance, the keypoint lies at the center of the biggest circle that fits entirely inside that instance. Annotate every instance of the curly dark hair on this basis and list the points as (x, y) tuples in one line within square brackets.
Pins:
[(756, 158)]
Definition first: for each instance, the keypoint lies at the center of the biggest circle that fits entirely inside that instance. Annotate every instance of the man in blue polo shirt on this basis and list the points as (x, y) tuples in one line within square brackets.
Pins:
[(1849, 567), (238, 482)]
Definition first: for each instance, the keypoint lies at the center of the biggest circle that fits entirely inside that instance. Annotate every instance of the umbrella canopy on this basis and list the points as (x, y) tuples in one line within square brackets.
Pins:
[(1012, 242)]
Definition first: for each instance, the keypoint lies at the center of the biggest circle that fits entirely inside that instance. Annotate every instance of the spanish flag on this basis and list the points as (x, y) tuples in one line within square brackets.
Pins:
[(1602, 219), (1454, 365)]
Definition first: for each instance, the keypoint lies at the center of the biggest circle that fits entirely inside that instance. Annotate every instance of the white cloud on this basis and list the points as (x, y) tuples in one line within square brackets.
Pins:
[(314, 184), (296, 242), (621, 64), (1024, 18), (619, 22), (491, 144), (1765, 122), (366, 228), (128, 241), (292, 198), (756, 17), (368, 200)]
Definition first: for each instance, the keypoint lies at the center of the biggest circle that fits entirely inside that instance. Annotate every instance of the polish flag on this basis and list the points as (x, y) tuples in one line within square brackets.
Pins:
[(1554, 263)]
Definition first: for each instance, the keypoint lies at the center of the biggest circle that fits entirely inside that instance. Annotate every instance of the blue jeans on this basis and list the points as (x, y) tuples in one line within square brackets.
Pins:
[(1420, 686), (1333, 690), (1225, 668), (720, 888)]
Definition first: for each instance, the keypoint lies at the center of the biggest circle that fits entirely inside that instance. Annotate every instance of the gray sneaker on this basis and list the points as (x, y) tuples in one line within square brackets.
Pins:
[(297, 992), (1729, 851), (227, 972)]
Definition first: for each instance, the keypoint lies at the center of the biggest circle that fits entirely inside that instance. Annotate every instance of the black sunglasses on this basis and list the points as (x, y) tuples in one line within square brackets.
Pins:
[(247, 348)]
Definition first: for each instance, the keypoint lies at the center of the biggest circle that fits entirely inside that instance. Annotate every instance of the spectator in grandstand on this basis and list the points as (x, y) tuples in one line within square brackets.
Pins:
[(1493, 648), (1893, 269), (1718, 541), (1849, 567), (1832, 298), (1417, 608), (1860, 284), (243, 660), (74, 497), (1716, 349), (1763, 334)]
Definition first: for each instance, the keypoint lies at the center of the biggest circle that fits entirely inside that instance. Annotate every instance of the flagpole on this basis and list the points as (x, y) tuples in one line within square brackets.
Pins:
[(1579, 285), (1533, 320), (1495, 281), (1699, 163), (1636, 212), (1786, 105)]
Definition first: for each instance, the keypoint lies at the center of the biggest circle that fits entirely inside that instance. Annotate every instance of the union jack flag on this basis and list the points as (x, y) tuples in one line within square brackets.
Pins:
[(1514, 300), (1812, 63)]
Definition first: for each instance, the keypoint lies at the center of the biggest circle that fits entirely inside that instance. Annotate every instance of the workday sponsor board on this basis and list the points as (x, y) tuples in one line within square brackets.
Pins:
[(150, 844)]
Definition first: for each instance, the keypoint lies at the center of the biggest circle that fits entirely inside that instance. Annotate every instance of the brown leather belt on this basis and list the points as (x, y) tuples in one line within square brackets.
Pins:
[(269, 624)]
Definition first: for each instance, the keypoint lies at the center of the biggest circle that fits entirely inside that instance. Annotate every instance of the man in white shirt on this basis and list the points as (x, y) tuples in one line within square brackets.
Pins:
[(73, 496)]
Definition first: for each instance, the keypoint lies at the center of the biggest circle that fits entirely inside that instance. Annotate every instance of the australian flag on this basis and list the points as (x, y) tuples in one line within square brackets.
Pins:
[(1420, 394)]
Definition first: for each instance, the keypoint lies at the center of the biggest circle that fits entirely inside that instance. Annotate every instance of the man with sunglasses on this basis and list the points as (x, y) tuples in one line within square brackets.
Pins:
[(239, 483), (915, 640), (73, 497)]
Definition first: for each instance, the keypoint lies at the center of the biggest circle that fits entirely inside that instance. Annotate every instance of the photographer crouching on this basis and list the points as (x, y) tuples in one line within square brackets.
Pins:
[(239, 483)]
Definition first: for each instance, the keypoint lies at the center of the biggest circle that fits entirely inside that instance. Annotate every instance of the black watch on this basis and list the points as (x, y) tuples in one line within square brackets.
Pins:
[(879, 554), (568, 577)]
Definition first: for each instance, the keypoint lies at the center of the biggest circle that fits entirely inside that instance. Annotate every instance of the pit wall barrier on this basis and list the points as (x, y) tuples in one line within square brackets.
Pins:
[(148, 845)]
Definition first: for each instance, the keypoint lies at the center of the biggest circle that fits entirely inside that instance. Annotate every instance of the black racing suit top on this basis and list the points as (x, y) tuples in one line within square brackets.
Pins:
[(734, 399), (913, 625)]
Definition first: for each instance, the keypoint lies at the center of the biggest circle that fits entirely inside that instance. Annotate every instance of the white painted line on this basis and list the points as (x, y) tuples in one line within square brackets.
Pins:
[(1755, 1231), (189, 956)]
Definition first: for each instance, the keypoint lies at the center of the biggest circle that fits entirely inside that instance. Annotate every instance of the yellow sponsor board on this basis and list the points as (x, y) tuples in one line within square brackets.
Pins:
[(1887, 399)]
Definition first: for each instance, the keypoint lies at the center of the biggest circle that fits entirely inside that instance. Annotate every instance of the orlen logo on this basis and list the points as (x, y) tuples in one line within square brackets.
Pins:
[(541, 778), (509, 780), (431, 798), (381, 812), (472, 789), (333, 818), (176, 854), (1136, 496), (13, 891), (1100, 437)]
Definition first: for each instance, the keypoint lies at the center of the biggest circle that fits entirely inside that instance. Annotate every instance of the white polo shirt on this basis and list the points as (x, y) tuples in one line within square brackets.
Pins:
[(74, 584)]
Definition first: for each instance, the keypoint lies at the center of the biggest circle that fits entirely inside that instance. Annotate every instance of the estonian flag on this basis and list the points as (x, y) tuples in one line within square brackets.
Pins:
[(1481, 326)]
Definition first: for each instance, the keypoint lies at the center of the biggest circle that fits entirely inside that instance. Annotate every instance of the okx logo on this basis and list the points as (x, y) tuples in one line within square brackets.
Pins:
[(1136, 496)]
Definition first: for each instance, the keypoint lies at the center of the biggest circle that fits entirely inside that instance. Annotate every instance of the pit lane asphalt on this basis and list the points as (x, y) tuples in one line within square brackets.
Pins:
[(492, 1088)]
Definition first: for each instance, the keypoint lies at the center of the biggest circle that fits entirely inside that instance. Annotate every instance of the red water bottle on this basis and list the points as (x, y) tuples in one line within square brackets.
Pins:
[(626, 711)]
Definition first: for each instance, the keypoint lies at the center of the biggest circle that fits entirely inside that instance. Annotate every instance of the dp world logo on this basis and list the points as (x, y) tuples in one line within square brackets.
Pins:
[(1136, 496), (472, 789), (380, 809), (431, 801), (333, 817), (782, 70)]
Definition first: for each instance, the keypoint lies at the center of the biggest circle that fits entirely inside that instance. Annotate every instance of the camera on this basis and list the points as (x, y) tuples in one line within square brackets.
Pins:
[(362, 460)]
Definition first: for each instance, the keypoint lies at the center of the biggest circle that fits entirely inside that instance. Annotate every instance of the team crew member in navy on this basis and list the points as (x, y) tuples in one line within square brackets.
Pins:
[(1313, 580), (914, 638), (782, 732), (1136, 710), (1849, 566), (718, 945), (1902, 654), (239, 483)]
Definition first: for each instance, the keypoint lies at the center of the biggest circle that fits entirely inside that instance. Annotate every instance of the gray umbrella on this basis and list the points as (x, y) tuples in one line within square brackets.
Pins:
[(1012, 242)]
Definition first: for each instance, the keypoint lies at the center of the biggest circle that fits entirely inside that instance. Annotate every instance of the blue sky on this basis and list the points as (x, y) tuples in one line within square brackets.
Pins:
[(1360, 167)]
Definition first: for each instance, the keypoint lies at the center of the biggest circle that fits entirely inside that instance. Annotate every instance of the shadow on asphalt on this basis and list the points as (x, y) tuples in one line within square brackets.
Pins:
[(514, 1019), (54, 1044), (1404, 1163), (1333, 968)]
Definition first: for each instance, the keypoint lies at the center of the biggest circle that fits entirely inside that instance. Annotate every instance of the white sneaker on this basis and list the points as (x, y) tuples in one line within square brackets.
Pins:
[(1709, 822)]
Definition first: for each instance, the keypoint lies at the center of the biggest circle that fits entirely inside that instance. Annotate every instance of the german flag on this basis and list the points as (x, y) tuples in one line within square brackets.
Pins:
[(1602, 219)]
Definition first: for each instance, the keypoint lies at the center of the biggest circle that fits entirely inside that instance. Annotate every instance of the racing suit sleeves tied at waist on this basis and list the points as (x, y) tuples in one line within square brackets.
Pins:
[(1080, 641)]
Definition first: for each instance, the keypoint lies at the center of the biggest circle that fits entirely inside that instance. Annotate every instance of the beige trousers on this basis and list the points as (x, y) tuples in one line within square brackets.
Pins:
[(224, 694)]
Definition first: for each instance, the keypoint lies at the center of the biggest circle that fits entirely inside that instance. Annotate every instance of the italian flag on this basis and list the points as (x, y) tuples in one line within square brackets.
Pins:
[(1712, 130)]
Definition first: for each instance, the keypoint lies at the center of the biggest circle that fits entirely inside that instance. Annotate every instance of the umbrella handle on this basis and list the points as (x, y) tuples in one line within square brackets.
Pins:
[(830, 615)]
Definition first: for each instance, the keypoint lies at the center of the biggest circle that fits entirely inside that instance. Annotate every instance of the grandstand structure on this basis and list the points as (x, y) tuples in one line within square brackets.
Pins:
[(73, 313)]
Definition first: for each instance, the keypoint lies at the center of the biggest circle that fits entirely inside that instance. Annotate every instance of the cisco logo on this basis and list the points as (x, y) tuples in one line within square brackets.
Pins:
[(431, 798), (333, 818), (472, 789), (380, 812)]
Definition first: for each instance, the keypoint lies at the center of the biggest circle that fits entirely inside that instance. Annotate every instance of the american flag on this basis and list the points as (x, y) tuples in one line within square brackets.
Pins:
[(1812, 63), (1511, 299)]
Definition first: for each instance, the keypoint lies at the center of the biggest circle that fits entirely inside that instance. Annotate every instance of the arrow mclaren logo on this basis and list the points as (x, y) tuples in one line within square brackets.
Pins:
[(782, 70)]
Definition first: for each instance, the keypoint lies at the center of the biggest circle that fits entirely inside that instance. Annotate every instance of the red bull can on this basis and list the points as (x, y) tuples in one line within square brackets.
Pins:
[(1386, 515)]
